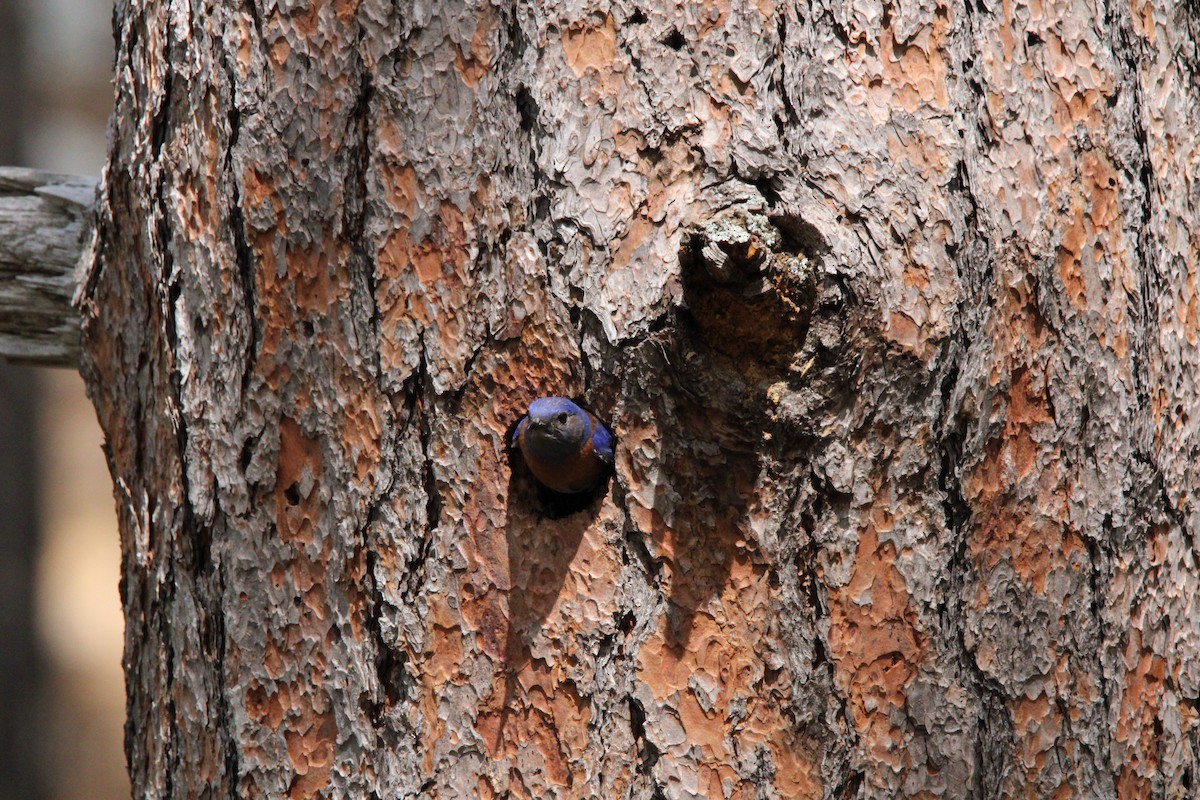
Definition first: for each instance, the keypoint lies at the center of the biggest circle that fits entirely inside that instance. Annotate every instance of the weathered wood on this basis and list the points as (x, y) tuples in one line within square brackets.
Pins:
[(44, 220)]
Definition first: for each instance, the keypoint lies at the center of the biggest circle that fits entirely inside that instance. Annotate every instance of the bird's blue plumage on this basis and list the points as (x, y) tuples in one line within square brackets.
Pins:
[(602, 442), (565, 446)]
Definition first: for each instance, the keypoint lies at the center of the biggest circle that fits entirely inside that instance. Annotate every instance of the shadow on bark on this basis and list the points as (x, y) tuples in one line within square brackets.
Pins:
[(707, 529), (731, 352), (543, 534)]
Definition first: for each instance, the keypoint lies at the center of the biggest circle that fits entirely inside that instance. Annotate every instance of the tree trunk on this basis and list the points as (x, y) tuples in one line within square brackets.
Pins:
[(892, 311)]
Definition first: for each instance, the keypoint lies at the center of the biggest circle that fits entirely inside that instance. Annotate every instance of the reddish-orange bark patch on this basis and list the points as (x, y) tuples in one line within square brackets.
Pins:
[(297, 502), (473, 65), (590, 44), (310, 741), (915, 71), (875, 645)]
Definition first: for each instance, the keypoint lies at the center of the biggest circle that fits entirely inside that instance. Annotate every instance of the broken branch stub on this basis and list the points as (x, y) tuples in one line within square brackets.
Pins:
[(749, 292), (44, 220)]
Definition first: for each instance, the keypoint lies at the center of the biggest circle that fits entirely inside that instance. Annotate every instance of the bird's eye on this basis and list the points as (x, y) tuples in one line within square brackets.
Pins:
[(562, 418)]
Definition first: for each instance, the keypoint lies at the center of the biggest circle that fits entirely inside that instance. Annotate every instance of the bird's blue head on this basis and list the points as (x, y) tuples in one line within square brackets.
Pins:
[(556, 421), (545, 410)]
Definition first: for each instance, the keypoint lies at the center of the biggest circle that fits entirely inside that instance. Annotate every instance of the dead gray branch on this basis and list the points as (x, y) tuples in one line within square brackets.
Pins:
[(44, 221)]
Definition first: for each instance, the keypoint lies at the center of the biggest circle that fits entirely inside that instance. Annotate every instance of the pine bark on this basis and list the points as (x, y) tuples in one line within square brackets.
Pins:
[(892, 310)]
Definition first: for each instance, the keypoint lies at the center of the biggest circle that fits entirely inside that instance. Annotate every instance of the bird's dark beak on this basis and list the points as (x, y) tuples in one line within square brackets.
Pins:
[(538, 423)]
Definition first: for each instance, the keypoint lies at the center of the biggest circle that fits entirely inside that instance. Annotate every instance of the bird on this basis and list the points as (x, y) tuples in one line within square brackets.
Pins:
[(566, 448)]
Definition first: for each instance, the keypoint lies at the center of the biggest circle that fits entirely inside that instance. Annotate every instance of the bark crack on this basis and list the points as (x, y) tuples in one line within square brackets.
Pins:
[(255, 19), (1132, 56), (850, 786), (993, 740), (790, 120), (648, 753), (805, 561), (636, 545), (362, 261), (973, 262), (224, 707), (188, 540), (422, 389), (1157, 486), (243, 255), (1097, 557), (391, 663)]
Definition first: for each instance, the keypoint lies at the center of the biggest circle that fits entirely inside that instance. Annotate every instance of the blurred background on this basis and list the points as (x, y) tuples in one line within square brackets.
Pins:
[(61, 688)]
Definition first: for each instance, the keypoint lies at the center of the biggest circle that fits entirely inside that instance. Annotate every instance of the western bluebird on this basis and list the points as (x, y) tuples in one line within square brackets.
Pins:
[(567, 449)]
